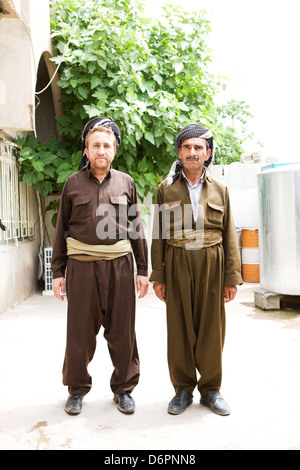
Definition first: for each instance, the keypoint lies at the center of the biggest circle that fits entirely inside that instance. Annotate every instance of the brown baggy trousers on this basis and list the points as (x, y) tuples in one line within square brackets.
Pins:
[(195, 317), (101, 293)]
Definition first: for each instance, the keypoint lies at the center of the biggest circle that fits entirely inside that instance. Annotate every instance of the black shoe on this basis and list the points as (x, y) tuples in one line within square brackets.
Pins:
[(216, 403), (180, 402), (73, 405), (125, 403)]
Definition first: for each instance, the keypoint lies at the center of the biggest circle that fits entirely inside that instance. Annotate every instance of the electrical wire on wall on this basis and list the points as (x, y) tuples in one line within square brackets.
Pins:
[(26, 25), (65, 50)]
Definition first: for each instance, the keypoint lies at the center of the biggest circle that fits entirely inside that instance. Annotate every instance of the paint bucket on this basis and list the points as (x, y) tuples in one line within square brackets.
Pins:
[(250, 255)]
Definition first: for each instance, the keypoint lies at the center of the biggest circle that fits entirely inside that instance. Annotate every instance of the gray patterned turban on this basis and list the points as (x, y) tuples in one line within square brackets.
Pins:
[(97, 122), (189, 132)]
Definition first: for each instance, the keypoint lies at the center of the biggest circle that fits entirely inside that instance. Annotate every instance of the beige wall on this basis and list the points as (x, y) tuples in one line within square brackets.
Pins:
[(18, 273), (19, 262), (24, 40)]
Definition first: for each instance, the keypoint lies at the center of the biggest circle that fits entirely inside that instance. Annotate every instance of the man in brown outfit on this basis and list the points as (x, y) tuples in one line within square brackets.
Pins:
[(196, 267), (95, 233)]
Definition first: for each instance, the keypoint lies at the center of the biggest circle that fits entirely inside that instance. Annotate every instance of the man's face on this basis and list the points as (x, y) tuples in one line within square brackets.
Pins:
[(193, 153), (100, 151)]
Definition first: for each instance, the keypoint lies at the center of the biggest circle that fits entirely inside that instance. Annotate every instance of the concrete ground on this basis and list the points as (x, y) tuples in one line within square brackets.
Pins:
[(261, 383)]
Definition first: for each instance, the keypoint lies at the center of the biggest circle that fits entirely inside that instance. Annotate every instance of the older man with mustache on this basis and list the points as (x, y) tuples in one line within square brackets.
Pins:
[(196, 267)]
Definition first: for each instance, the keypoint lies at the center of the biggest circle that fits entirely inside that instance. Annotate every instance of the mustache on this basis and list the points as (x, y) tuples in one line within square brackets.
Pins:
[(192, 158)]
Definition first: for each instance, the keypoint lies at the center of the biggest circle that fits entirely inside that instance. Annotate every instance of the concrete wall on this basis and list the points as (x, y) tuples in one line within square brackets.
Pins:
[(25, 44), (22, 42), (19, 262), (18, 273)]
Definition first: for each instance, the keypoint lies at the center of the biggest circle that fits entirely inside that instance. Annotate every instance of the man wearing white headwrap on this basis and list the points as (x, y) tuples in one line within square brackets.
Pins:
[(196, 267)]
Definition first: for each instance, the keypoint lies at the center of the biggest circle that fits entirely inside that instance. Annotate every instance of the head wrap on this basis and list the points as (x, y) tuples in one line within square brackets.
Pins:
[(97, 122), (189, 132)]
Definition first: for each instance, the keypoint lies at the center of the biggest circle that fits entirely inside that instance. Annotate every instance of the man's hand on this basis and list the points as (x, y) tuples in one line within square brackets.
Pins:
[(230, 293), (142, 284), (58, 287), (160, 290)]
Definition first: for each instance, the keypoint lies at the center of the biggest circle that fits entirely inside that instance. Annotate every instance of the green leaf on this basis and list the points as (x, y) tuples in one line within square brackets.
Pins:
[(49, 171), (48, 157), (149, 136), (102, 64), (101, 95), (139, 66), (132, 139), (28, 178), (178, 67), (63, 120), (83, 92), (158, 78), (38, 166), (169, 137), (64, 175), (48, 188), (95, 81), (63, 166), (91, 111)]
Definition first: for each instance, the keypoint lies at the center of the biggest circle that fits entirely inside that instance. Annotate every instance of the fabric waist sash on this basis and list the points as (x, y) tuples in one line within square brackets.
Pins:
[(195, 239), (83, 252)]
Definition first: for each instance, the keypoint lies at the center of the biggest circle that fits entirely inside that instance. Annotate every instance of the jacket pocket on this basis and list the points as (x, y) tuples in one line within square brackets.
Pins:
[(118, 200), (82, 207), (214, 214)]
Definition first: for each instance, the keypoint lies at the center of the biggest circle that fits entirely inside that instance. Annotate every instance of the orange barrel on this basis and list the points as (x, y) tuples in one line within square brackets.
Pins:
[(250, 255)]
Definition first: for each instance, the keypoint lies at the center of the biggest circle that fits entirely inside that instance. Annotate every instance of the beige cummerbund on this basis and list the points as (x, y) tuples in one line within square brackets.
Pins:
[(195, 238), (83, 252)]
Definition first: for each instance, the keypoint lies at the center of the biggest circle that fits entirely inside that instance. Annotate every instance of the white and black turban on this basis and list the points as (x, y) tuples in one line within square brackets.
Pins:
[(97, 122), (189, 132)]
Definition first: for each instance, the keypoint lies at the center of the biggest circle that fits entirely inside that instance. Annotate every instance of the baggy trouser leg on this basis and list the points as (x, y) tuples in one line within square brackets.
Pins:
[(83, 324), (119, 322), (181, 334), (195, 317)]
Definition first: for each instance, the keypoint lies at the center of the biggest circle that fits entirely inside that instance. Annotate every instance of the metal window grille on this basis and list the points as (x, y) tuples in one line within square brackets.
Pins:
[(48, 273), (15, 207)]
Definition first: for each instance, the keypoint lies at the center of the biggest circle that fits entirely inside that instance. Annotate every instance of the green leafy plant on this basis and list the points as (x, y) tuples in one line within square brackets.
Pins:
[(234, 120), (46, 166), (151, 76)]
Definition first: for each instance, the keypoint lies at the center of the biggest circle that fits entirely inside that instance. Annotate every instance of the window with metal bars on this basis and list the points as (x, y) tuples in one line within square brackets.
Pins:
[(16, 222)]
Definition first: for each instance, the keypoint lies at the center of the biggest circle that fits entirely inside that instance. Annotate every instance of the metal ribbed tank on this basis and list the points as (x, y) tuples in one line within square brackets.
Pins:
[(279, 229)]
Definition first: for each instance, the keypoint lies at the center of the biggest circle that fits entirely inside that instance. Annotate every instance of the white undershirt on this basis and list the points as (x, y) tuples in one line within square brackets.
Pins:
[(195, 194)]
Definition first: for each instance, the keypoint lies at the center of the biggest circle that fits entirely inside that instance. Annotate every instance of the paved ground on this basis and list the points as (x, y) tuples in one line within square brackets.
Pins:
[(261, 383)]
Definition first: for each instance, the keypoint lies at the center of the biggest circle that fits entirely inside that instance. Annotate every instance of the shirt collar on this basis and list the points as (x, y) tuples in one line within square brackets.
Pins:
[(200, 180), (90, 174)]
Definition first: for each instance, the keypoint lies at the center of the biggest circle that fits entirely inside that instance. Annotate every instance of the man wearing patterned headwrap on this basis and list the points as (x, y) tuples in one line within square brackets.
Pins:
[(94, 238), (196, 267)]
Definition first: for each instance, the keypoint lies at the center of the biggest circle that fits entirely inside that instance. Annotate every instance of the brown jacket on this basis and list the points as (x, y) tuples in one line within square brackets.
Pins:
[(83, 216), (216, 214)]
